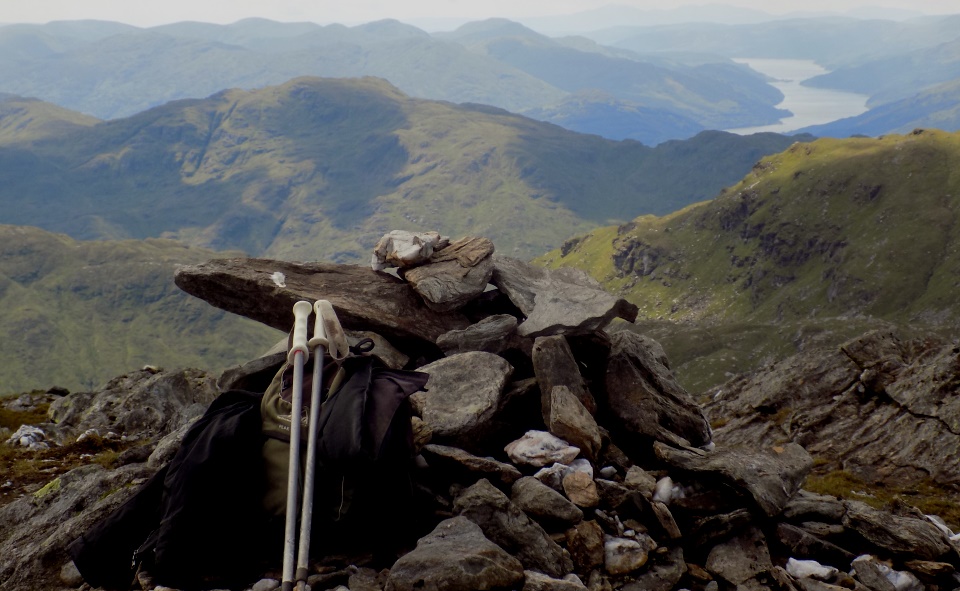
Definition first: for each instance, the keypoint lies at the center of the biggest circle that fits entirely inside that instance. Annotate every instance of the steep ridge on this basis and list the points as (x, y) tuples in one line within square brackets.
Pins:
[(78, 313), (826, 233), (320, 168)]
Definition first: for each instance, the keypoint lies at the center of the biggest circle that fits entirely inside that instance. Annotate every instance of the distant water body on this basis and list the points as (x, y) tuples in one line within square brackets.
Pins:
[(810, 106)]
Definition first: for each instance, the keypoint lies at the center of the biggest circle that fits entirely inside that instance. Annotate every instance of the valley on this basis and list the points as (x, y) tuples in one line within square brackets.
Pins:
[(808, 105)]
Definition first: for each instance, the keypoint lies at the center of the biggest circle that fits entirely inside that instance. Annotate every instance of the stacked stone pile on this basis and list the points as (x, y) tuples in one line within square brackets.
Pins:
[(557, 452)]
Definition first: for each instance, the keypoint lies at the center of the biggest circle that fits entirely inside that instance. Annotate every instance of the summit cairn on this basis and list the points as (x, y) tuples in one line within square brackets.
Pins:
[(556, 449)]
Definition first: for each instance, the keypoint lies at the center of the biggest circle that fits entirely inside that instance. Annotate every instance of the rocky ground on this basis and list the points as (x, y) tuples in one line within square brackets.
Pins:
[(556, 452)]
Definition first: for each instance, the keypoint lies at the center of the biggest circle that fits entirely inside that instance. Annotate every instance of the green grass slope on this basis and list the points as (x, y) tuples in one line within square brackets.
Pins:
[(76, 314), (824, 239), (24, 120), (321, 168)]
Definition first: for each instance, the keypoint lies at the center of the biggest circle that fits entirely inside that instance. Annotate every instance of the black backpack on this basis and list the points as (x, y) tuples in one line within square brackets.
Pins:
[(198, 520), (201, 521), (364, 451)]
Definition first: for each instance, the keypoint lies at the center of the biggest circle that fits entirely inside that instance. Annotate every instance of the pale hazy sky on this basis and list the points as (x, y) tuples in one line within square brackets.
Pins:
[(154, 12)]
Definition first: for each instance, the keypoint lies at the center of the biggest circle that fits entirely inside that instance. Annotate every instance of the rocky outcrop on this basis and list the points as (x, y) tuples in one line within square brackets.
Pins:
[(564, 458), (882, 410)]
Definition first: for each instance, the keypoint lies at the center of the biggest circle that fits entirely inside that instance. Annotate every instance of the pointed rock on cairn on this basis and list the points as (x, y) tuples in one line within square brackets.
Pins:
[(558, 452)]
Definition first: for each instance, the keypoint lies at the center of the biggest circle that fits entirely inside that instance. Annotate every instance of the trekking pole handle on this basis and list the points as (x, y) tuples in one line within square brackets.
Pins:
[(301, 315), (319, 329)]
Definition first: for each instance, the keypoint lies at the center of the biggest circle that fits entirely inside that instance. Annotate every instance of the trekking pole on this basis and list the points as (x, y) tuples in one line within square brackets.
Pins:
[(297, 355), (318, 345)]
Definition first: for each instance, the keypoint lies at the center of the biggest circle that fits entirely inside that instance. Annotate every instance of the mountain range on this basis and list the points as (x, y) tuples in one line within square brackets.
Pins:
[(110, 70), (897, 77), (321, 168), (831, 41), (650, 83)]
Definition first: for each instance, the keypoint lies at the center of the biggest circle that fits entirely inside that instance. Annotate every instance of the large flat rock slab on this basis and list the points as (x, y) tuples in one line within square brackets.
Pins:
[(770, 476), (562, 301), (265, 290)]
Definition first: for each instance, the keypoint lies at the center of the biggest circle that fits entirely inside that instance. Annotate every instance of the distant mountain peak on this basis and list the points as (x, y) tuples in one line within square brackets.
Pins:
[(494, 27)]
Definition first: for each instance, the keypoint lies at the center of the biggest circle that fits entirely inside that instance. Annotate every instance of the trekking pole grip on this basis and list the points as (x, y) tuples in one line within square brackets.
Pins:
[(301, 315), (319, 329)]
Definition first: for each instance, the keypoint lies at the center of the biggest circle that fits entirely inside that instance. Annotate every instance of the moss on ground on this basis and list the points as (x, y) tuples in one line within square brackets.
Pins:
[(30, 471), (927, 496)]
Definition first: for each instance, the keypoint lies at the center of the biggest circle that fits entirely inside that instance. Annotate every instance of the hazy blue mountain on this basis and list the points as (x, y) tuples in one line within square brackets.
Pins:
[(612, 15), (247, 32), (713, 94), (28, 41), (831, 41), (112, 71), (124, 74), (897, 77), (937, 108)]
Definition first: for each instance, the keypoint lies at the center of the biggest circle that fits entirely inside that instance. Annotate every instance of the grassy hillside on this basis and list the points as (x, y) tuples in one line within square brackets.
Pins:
[(819, 241), (321, 168), (76, 314), (26, 120)]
